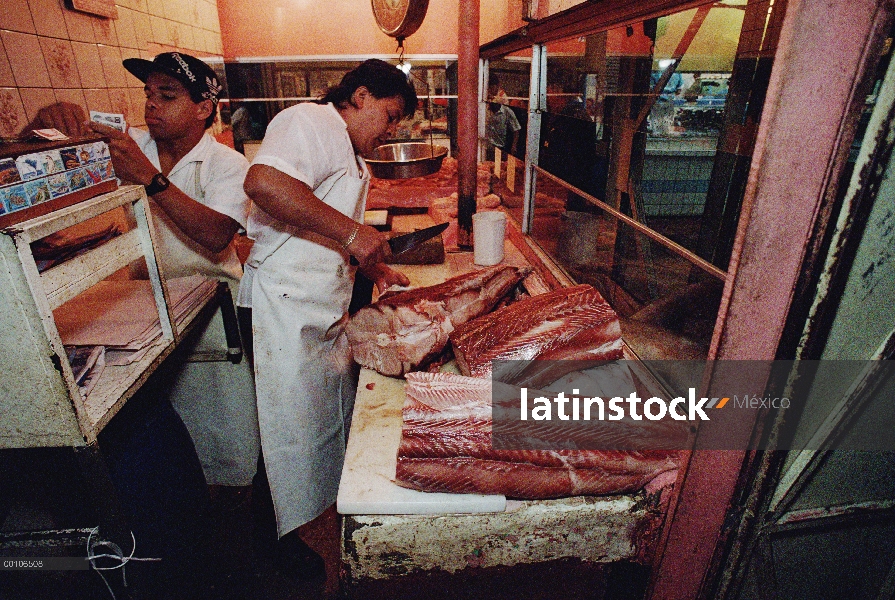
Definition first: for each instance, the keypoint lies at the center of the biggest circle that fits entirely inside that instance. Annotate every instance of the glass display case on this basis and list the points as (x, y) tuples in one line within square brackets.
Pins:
[(638, 139)]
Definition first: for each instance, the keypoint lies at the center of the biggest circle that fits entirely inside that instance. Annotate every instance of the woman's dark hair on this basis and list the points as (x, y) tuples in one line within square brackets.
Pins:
[(382, 79)]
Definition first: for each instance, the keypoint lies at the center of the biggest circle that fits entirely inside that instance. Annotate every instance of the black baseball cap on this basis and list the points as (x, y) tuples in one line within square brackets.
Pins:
[(196, 76)]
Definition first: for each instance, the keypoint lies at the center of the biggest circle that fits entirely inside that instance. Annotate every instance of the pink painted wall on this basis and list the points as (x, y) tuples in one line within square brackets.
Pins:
[(258, 28)]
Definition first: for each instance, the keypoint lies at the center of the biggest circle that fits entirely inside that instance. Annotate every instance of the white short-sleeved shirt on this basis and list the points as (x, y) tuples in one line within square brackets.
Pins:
[(212, 174), (310, 143)]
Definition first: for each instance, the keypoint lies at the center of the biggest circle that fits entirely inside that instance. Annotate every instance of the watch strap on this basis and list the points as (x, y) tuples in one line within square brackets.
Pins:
[(158, 184)]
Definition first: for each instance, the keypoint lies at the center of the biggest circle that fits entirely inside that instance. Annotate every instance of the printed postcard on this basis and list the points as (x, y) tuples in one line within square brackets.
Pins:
[(37, 191), (86, 153), (77, 180), (107, 170), (94, 174), (52, 162), (113, 120), (69, 157), (13, 197), (9, 174), (30, 166), (58, 184), (101, 151), (49, 134)]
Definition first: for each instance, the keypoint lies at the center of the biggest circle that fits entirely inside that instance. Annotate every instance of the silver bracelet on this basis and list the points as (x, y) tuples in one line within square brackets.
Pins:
[(351, 237)]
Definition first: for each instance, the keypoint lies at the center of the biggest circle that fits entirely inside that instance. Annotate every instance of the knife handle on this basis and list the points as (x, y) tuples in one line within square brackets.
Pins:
[(361, 294)]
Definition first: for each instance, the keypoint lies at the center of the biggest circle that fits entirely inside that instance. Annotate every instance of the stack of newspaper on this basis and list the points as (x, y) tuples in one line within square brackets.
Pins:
[(87, 364), (121, 315)]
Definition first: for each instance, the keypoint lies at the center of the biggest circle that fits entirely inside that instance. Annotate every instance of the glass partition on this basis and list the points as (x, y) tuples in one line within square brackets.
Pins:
[(655, 92), (667, 300), (503, 144), (506, 116), (509, 79), (643, 151)]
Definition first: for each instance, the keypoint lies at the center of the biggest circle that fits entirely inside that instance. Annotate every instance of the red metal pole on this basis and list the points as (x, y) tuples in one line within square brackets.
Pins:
[(467, 118)]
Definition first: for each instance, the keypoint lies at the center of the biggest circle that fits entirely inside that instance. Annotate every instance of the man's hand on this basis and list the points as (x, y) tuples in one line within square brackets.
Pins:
[(67, 117), (129, 161), (384, 276), (370, 247)]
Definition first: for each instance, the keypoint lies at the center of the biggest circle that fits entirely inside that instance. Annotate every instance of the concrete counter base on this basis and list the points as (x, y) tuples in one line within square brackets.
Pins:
[(592, 529)]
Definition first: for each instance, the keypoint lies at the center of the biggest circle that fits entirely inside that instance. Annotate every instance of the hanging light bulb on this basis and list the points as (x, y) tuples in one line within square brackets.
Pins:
[(405, 66)]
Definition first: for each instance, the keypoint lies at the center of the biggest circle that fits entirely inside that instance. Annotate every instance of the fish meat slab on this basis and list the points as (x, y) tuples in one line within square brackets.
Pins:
[(446, 446), (573, 323), (405, 331)]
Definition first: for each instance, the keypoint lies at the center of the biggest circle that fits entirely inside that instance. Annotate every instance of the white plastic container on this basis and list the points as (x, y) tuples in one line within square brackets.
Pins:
[(488, 232)]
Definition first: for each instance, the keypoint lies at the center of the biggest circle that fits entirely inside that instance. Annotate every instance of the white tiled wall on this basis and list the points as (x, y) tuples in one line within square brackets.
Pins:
[(49, 53)]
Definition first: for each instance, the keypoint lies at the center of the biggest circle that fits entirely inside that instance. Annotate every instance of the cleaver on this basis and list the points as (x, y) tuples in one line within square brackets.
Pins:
[(362, 294)]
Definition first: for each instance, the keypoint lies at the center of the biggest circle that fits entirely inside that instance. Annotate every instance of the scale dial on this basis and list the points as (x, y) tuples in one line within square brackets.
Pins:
[(399, 18)]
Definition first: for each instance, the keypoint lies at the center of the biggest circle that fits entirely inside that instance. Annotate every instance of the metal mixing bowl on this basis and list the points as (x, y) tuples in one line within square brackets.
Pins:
[(405, 160)]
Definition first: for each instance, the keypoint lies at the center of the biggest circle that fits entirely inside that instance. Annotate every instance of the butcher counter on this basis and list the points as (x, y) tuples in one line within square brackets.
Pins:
[(423, 542)]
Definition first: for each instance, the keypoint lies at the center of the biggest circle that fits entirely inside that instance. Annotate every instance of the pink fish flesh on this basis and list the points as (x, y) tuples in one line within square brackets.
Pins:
[(405, 331), (573, 323), (446, 446)]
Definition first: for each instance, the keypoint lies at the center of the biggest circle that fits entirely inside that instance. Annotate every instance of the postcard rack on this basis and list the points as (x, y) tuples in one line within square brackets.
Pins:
[(39, 177)]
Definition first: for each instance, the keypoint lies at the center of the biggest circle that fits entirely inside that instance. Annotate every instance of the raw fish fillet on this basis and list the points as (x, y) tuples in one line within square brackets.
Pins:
[(464, 475), (405, 331), (445, 396), (446, 446), (573, 323)]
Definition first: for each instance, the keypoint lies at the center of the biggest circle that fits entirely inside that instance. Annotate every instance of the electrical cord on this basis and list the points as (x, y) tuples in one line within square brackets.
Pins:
[(118, 555)]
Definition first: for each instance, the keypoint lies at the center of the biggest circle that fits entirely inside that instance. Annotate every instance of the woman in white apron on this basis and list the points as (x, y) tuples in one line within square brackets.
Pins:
[(309, 186)]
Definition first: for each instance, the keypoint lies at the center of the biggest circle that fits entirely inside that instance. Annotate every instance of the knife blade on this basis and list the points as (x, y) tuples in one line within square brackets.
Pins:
[(407, 241), (402, 243), (362, 294)]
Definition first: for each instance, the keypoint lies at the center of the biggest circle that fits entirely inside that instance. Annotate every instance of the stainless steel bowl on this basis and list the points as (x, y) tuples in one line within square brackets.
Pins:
[(406, 160)]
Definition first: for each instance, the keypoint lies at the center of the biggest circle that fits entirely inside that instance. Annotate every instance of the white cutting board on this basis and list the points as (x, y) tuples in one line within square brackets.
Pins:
[(367, 486)]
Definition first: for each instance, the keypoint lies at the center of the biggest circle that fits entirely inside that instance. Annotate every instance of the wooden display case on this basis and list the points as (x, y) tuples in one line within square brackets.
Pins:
[(40, 402)]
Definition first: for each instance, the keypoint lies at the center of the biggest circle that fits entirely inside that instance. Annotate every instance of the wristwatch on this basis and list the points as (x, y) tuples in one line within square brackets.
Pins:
[(158, 184)]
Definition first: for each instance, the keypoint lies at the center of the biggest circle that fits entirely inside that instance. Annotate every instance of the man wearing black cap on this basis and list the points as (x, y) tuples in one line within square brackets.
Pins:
[(195, 186), (197, 183), (208, 207)]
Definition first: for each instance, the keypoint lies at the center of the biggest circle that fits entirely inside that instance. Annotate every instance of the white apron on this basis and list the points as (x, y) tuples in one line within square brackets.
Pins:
[(305, 377), (214, 398)]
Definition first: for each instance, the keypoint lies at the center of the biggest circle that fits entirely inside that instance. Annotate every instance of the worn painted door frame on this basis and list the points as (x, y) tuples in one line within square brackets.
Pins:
[(808, 123)]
